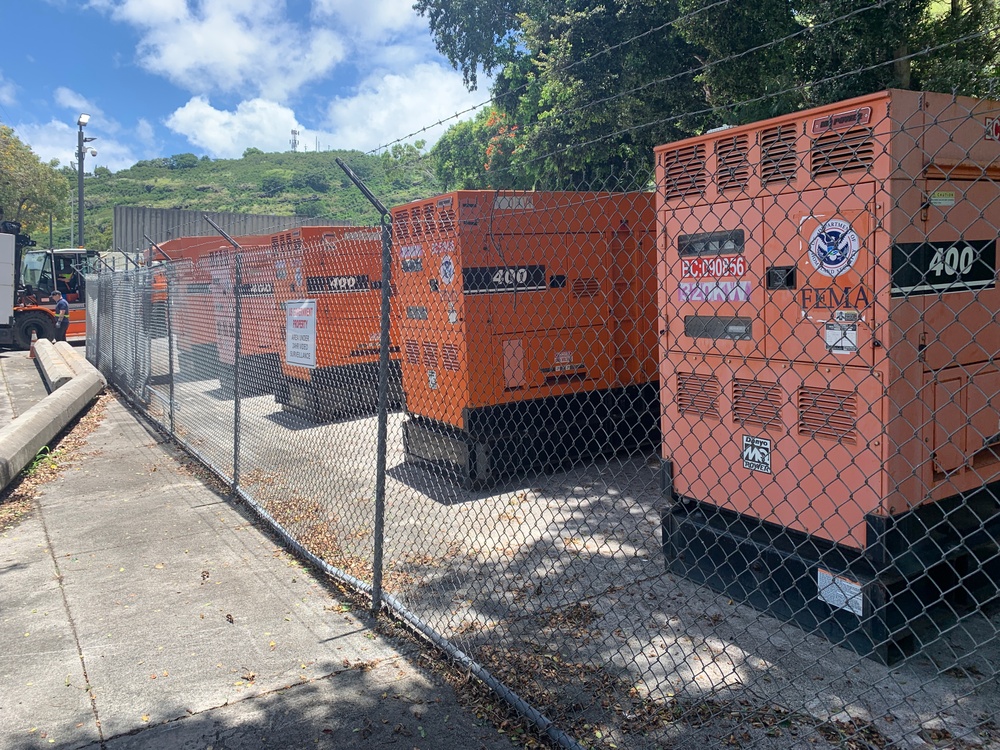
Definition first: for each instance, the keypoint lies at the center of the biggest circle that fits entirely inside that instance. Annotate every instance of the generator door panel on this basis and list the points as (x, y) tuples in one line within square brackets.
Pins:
[(954, 271), (819, 278), (542, 282), (714, 272)]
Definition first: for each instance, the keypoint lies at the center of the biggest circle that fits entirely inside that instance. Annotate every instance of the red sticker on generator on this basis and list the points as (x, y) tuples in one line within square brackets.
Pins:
[(714, 267)]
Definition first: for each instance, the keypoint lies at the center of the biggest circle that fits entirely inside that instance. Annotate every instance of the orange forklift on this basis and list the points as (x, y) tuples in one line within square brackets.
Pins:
[(28, 277)]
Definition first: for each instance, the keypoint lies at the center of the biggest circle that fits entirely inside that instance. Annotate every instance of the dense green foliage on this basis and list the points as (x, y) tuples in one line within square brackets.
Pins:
[(584, 90), (30, 191), (284, 184)]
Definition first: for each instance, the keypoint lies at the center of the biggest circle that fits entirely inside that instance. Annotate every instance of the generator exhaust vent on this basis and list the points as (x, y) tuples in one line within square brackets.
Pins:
[(778, 162), (828, 414), (732, 170), (756, 402), (684, 171), (836, 153), (412, 352), (430, 354), (698, 394), (449, 357)]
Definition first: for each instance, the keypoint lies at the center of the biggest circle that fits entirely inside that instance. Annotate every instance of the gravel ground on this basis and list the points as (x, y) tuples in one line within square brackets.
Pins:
[(558, 585)]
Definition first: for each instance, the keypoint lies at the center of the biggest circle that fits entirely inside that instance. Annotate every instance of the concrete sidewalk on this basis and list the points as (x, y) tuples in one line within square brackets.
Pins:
[(139, 608), (21, 385)]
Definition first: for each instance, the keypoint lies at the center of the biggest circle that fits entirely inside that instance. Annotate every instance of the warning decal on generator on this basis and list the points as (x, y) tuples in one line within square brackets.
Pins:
[(757, 454), (841, 338), (839, 592)]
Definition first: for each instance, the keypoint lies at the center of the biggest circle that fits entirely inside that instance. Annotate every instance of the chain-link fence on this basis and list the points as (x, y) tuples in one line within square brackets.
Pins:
[(715, 464)]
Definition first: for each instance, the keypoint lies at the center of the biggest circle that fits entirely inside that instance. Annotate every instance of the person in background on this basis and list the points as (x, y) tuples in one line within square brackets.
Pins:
[(62, 315)]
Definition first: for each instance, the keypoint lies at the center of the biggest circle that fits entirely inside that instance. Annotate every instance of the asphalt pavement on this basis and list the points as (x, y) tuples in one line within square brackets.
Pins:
[(139, 608)]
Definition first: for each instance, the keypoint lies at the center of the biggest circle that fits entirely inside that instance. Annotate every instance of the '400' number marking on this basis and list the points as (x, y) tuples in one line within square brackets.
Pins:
[(510, 276), (953, 261)]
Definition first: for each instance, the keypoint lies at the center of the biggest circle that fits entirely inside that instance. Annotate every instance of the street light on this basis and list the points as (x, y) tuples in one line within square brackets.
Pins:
[(81, 152)]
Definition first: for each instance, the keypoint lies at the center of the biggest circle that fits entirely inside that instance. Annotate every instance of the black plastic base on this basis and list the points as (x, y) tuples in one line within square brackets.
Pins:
[(334, 393), (507, 440), (878, 603)]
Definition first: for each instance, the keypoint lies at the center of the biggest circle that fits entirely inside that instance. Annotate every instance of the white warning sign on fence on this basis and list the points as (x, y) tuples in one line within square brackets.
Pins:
[(757, 454), (300, 332)]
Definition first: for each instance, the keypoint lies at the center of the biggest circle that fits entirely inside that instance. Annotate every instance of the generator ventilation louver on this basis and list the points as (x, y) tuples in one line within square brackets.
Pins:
[(732, 170), (778, 161), (684, 171), (837, 152)]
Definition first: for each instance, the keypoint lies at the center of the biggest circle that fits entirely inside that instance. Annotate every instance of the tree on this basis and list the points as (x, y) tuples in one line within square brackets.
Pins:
[(474, 35), (584, 91), (30, 191), (589, 88), (762, 58), (407, 165), (274, 182), (183, 161)]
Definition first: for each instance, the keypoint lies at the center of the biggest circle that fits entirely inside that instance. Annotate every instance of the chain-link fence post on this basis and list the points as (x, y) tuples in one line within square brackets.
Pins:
[(170, 350), (99, 283), (383, 388), (237, 346), (383, 414)]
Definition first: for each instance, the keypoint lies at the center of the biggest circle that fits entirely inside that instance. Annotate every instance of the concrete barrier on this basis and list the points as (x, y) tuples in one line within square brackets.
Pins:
[(75, 359), (55, 370), (21, 440)]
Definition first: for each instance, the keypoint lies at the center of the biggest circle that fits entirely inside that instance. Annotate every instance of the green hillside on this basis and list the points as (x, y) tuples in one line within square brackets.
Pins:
[(285, 184)]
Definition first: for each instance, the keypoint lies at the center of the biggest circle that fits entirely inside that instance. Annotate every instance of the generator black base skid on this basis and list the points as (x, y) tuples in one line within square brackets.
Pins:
[(335, 393), (260, 375), (508, 440), (920, 573), (200, 362)]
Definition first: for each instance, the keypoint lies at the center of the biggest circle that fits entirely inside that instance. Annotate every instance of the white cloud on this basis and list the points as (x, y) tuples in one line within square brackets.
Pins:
[(391, 106), (374, 19), (7, 91), (76, 103), (229, 45), (58, 140), (259, 123), (144, 132)]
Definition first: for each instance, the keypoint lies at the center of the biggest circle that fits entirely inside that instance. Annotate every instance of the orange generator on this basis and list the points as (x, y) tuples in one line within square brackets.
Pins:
[(259, 315), (831, 389), (527, 321), (328, 283), (204, 310)]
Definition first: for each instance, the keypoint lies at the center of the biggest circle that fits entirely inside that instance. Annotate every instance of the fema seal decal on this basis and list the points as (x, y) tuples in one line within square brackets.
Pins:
[(833, 247), (447, 269)]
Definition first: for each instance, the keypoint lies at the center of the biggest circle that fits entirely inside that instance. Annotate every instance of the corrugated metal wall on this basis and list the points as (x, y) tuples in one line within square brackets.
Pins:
[(162, 224)]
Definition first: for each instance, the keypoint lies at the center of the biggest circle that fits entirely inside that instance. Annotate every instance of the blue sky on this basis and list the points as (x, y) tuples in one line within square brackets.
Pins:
[(214, 77)]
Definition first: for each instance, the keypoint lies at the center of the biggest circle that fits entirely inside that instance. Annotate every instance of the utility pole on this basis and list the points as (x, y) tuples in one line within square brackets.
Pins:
[(81, 152)]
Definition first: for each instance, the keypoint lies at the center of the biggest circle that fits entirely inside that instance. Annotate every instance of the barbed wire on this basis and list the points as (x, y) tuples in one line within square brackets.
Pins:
[(568, 66), (770, 95)]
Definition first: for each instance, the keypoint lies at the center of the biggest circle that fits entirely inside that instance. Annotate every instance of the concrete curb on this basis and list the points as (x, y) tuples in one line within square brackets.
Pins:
[(55, 369), (21, 440)]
